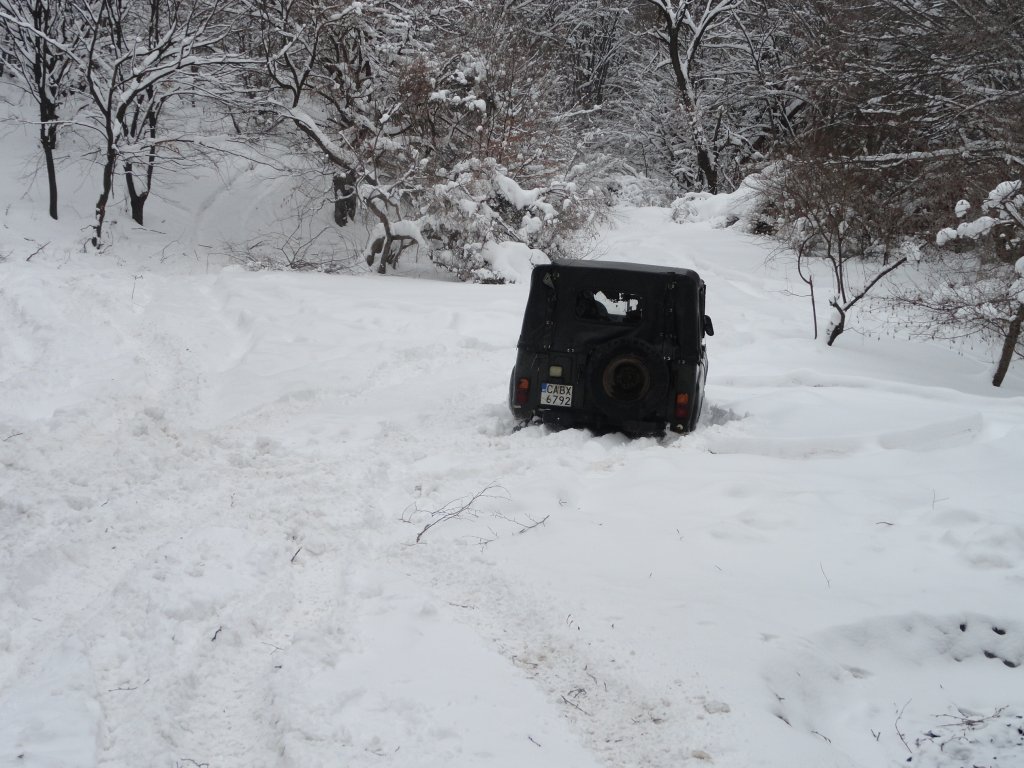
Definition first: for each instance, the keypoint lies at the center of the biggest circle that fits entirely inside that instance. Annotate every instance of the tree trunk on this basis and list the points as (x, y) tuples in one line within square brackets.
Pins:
[(136, 199), (1009, 347), (48, 140), (814, 307), (847, 305), (385, 242), (48, 143), (707, 162), (707, 169), (839, 326), (108, 183), (344, 198)]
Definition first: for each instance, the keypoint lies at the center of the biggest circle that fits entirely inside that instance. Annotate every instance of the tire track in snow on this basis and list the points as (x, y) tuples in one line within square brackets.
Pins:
[(623, 715)]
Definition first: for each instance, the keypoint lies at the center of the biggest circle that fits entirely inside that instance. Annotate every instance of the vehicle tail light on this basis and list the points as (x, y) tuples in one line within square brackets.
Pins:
[(522, 391), (682, 406)]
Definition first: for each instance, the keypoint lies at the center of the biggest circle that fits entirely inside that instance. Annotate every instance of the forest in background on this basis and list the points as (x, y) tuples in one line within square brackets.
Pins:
[(866, 127)]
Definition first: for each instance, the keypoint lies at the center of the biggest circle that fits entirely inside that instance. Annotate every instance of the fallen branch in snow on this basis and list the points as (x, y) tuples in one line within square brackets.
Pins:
[(975, 738), (127, 687), (593, 677), (465, 508), (533, 524), (459, 508), (648, 716), (36, 251), (525, 526), (966, 720), (896, 725), (827, 580), (575, 693), (482, 542)]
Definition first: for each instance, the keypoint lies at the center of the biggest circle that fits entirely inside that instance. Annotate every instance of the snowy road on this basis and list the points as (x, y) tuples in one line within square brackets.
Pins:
[(212, 486)]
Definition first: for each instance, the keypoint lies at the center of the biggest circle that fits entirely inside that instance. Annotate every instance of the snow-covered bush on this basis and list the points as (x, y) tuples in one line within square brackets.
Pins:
[(508, 262), (722, 210), (435, 129), (1002, 216), (478, 203)]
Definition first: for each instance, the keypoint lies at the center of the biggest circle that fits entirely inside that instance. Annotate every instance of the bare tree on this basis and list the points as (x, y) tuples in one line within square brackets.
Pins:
[(719, 55), (136, 57), (330, 76), (920, 93), (38, 40), (685, 27), (829, 215), (904, 103), (202, 26)]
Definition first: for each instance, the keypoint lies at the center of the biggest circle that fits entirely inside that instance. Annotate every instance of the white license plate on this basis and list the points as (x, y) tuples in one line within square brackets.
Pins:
[(556, 394)]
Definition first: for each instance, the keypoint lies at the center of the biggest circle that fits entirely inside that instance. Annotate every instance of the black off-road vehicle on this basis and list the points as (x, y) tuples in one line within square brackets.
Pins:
[(612, 346)]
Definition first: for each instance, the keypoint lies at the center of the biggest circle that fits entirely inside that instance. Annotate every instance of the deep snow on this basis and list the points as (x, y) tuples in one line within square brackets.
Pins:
[(212, 481)]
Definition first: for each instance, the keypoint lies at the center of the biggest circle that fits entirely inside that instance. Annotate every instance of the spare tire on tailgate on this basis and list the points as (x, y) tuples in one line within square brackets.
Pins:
[(626, 378)]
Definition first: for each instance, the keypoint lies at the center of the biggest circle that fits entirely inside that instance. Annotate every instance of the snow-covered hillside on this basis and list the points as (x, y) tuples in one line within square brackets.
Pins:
[(212, 483)]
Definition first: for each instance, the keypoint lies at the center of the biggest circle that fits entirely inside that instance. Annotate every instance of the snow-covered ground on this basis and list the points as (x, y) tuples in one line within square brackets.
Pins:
[(212, 483)]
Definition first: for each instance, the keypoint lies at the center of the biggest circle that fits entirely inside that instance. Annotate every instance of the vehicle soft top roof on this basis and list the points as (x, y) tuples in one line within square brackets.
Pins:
[(550, 319), (622, 266)]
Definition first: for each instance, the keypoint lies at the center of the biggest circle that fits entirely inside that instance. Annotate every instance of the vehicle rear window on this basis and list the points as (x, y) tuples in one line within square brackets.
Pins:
[(605, 305)]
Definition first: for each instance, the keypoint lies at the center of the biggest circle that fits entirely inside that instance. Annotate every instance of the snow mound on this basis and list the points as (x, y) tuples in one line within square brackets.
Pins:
[(509, 262), (935, 691), (721, 210)]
